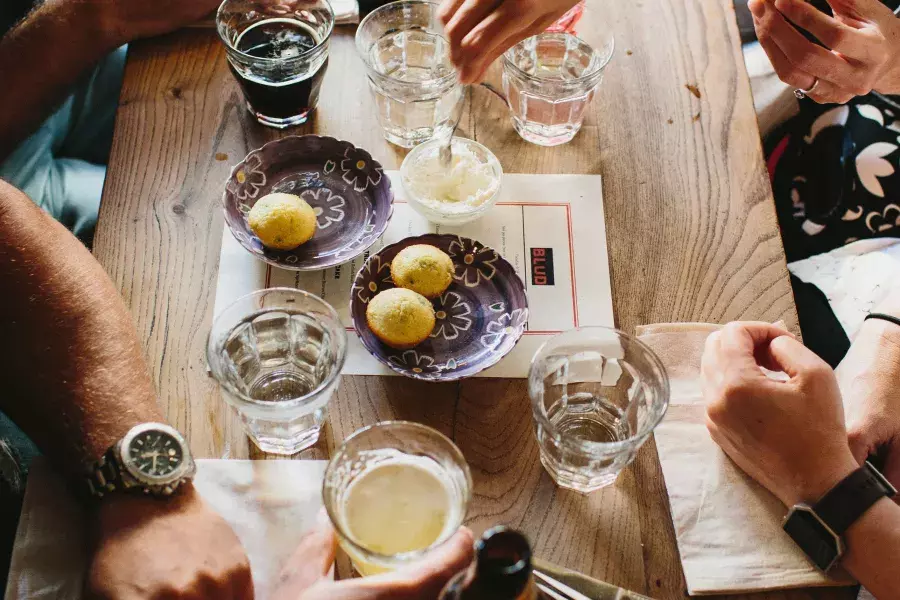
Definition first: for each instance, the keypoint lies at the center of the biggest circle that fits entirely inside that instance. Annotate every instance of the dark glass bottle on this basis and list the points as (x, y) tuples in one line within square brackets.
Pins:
[(501, 571)]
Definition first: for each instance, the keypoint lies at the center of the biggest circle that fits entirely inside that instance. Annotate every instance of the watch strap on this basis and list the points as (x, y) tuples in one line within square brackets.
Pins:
[(883, 317), (105, 476), (854, 495)]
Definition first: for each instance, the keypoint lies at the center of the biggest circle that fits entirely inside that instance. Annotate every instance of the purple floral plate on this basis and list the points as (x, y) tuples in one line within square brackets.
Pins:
[(479, 318), (346, 187)]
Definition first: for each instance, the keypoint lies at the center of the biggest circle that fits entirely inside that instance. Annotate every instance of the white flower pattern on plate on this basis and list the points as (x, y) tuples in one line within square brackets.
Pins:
[(328, 206), (370, 278), (474, 262), (451, 316), (359, 170), (509, 324), (420, 364), (250, 178)]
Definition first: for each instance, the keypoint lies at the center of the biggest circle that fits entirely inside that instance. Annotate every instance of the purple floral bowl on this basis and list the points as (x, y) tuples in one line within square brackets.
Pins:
[(346, 187), (479, 319)]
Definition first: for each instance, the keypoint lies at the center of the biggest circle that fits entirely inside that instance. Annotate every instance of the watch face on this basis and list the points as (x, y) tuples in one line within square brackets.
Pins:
[(155, 454), (816, 540)]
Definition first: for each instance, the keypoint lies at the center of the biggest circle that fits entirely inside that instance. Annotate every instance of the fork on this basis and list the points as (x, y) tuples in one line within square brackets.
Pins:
[(557, 590)]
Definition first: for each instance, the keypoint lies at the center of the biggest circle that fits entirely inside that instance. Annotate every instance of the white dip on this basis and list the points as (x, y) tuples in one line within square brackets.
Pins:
[(465, 185)]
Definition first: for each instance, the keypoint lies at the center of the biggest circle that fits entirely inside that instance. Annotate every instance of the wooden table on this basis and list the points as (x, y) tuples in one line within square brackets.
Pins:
[(690, 220)]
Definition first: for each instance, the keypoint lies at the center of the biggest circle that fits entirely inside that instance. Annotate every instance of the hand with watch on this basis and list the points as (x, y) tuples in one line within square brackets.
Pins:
[(156, 536), (791, 437)]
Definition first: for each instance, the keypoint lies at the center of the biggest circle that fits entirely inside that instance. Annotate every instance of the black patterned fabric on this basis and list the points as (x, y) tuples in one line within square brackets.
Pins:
[(836, 174)]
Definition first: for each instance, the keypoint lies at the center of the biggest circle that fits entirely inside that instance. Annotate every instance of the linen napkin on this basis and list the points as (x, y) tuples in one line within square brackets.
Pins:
[(727, 526), (270, 504)]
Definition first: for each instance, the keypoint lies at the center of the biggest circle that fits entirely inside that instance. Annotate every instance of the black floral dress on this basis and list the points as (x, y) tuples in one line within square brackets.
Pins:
[(836, 174)]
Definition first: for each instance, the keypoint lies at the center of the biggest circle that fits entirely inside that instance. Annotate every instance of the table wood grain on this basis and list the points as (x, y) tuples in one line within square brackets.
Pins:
[(690, 221)]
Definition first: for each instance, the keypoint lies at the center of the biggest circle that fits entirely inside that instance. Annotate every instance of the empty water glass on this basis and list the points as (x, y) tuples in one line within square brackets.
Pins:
[(278, 355), (549, 81), (413, 82), (596, 394)]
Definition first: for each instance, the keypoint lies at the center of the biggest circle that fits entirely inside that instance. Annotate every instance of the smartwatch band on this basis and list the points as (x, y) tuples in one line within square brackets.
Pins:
[(854, 495), (883, 317)]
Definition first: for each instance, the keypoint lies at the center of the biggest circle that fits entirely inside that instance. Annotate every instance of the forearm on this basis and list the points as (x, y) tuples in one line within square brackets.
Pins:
[(71, 368), (873, 545), (42, 57)]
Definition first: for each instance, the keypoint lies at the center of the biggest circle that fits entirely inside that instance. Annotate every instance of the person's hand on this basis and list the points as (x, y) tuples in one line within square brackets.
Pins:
[(481, 30), (868, 377), (789, 435), (176, 548), (305, 576), (127, 20), (862, 45)]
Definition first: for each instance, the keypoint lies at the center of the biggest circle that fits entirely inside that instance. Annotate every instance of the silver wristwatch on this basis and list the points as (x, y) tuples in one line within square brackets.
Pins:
[(152, 458)]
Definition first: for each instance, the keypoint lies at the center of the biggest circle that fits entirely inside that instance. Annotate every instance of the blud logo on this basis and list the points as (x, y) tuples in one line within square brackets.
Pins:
[(542, 266)]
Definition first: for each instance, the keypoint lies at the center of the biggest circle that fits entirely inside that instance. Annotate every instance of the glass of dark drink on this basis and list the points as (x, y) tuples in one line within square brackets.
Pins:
[(279, 54)]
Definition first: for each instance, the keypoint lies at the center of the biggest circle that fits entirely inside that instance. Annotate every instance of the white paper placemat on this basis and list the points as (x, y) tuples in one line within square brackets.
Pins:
[(551, 228)]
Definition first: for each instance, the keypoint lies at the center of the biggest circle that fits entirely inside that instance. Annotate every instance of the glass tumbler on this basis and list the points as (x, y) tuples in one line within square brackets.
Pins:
[(549, 81), (394, 491), (279, 54), (277, 355), (415, 87), (596, 395)]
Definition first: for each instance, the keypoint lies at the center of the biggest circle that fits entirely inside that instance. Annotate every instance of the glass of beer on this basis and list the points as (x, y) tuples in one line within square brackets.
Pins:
[(394, 491), (279, 54)]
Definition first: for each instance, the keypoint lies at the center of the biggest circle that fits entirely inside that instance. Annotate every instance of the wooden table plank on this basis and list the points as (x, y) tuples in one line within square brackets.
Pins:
[(690, 221)]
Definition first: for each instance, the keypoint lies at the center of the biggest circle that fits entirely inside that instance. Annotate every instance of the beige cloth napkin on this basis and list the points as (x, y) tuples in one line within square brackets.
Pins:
[(727, 526), (270, 504)]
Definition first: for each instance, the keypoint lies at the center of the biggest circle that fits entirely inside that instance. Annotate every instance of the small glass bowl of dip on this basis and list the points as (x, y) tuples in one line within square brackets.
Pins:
[(451, 196)]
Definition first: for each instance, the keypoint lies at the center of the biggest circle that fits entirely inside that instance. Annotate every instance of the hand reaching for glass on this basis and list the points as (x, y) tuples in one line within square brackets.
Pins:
[(861, 44), (306, 574), (481, 30)]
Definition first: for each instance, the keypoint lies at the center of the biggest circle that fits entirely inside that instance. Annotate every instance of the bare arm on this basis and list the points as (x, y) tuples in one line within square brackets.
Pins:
[(43, 56), (873, 545), (72, 371), (73, 377)]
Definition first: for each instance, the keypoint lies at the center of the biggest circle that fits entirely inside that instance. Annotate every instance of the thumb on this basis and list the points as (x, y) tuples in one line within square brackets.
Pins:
[(310, 562), (422, 579), (792, 357)]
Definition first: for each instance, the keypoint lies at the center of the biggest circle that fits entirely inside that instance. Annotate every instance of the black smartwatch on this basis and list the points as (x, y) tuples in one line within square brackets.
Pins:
[(818, 529)]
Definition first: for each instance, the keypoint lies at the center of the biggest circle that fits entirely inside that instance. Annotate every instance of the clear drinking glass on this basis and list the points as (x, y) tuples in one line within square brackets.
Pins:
[(278, 355), (279, 54), (416, 89), (549, 81), (596, 394), (396, 510)]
